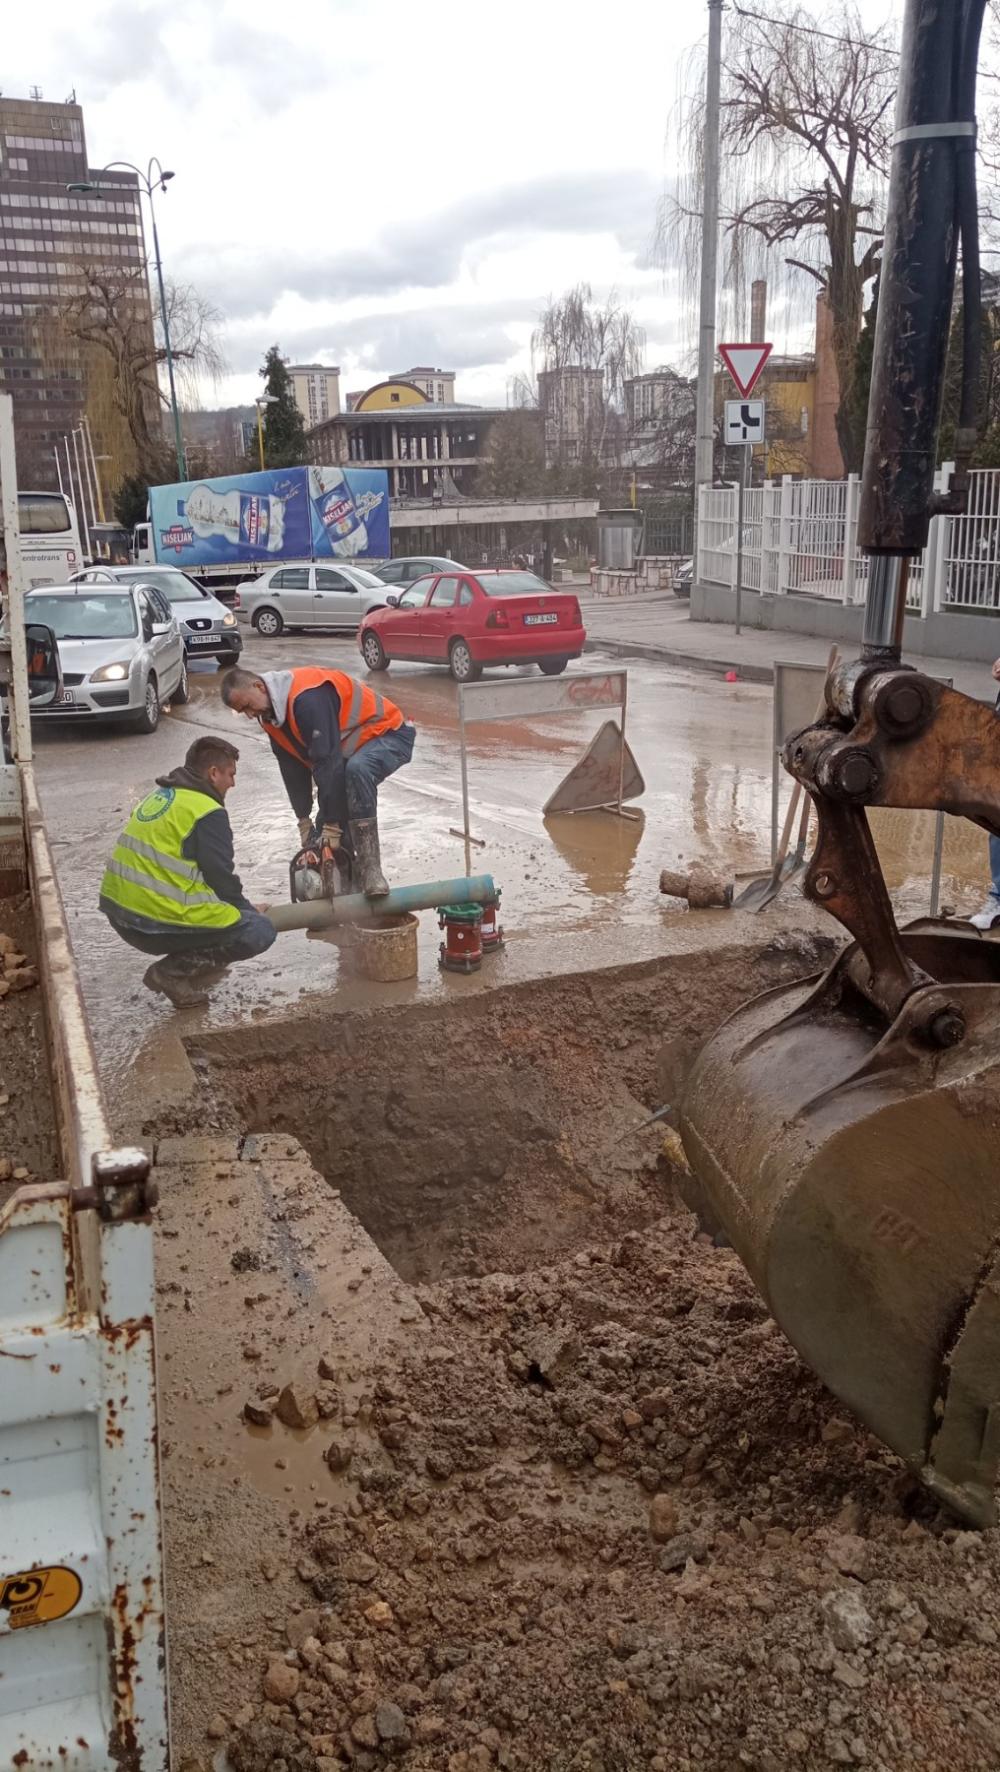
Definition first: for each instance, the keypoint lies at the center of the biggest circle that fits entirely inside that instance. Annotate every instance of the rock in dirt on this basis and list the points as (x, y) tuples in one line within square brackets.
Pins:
[(847, 1618), (850, 1554), (297, 1407), (552, 1353), (663, 1519), (302, 1625), (258, 1413), (686, 1547), (22, 978), (328, 1368), (359, 1567), (364, 1731), (390, 1723), (262, 1747), (338, 1456), (281, 1681)]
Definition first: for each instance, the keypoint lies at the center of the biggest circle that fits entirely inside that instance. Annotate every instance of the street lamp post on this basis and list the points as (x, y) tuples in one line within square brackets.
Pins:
[(261, 401), (149, 184)]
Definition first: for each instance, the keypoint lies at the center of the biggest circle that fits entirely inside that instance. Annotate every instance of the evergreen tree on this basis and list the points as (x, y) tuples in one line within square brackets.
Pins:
[(284, 428)]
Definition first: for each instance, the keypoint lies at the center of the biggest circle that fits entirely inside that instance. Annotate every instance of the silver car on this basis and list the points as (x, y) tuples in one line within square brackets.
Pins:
[(307, 596), (120, 648), (208, 628)]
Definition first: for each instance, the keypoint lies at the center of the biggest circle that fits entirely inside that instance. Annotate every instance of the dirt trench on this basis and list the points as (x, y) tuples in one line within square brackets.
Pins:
[(496, 1134), (572, 1504)]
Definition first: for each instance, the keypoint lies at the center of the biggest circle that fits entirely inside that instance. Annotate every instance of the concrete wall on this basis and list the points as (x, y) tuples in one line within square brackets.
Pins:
[(972, 637)]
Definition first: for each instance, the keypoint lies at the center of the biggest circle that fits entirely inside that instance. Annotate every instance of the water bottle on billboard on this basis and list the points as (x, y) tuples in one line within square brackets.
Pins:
[(245, 519), (333, 502)]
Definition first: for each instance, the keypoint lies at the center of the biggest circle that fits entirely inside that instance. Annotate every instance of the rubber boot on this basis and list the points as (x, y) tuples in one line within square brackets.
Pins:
[(364, 835), (183, 991)]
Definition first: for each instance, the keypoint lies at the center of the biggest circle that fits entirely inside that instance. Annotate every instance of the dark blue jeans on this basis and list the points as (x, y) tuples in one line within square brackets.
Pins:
[(184, 949), (375, 760)]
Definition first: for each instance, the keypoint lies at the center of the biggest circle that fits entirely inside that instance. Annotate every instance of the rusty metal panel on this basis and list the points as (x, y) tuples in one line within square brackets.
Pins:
[(82, 1653), (83, 1676)]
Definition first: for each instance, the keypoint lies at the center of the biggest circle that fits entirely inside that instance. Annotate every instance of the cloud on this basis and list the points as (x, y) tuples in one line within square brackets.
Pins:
[(458, 336), (428, 254)]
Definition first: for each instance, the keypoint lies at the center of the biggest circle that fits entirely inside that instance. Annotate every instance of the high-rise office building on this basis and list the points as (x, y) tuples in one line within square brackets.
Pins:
[(47, 236)]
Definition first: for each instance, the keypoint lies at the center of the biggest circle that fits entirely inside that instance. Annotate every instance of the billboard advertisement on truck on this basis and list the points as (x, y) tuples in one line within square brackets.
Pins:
[(256, 520)]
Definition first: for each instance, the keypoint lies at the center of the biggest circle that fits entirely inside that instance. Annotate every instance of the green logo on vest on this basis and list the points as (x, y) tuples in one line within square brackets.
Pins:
[(155, 805)]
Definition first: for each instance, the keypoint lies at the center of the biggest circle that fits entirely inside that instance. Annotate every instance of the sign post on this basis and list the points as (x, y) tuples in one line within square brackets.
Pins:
[(744, 426)]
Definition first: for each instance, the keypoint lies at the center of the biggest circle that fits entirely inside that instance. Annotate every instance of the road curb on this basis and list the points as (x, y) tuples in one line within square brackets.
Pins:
[(711, 667)]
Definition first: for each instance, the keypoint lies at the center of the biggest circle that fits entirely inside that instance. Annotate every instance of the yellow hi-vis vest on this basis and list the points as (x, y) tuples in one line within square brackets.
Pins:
[(149, 874)]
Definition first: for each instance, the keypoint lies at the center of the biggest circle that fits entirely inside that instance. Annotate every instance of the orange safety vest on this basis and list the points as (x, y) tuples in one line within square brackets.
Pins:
[(364, 714)]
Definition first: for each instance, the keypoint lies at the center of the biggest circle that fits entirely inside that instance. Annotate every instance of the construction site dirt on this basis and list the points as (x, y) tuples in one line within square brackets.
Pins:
[(478, 1452), (28, 1143)]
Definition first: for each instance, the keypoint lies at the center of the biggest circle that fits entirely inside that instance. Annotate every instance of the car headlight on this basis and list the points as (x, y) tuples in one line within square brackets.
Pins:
[(112, 673), (229, 621)]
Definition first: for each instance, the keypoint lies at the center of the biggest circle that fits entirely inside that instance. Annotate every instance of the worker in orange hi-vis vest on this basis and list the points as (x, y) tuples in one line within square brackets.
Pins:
[(325, 726)]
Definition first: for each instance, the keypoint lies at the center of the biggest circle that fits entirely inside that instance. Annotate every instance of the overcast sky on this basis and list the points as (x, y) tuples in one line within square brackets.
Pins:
[(378, 183)]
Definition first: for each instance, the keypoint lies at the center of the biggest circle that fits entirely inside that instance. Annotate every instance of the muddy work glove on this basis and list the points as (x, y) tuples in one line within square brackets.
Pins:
[(305, 831), (330, 837)]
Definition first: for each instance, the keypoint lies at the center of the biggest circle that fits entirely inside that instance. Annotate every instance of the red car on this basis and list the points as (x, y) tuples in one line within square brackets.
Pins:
[(467, 620)]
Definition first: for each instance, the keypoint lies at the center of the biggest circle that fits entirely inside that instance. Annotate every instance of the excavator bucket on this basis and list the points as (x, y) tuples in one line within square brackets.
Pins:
[(854, 1168)]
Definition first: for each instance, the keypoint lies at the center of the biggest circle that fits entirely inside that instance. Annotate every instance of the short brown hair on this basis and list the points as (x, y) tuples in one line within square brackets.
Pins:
[(210, 753), (235, 679)]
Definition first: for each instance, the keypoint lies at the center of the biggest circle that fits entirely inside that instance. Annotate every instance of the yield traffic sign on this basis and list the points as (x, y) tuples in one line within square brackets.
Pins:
[(744, 363)]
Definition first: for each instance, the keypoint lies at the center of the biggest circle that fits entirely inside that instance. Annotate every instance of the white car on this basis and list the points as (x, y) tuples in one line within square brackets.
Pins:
[(208, 628), (310, 597), (120, 648)]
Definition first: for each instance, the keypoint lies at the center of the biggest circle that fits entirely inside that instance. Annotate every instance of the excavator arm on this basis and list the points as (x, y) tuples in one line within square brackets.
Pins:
[(845, 1130)]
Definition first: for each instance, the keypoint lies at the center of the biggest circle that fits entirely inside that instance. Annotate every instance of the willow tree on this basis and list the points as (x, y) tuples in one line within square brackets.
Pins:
[(577, 332), (806, 124), (104, 328)]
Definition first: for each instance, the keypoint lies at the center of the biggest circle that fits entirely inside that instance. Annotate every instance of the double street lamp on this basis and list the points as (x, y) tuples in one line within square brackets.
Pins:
[(154, 179)]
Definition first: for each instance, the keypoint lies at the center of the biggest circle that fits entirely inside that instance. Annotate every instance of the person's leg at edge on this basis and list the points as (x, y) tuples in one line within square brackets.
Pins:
[(191, 959), (365, 770), (990, 912)]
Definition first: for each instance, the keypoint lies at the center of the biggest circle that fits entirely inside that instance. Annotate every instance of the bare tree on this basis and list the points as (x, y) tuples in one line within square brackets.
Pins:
[(105, 324), (806, 136), (575, 333)]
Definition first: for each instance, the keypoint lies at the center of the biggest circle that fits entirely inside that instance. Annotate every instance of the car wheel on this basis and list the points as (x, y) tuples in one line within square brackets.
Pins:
[(461, 663), (149, 719), (182, 694), (373, 652), (551, 667), (268, 623), (227, 659)]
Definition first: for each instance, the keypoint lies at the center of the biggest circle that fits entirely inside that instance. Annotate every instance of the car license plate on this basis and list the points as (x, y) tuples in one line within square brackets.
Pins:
[(201, 639), (538, 621), (69, 699)]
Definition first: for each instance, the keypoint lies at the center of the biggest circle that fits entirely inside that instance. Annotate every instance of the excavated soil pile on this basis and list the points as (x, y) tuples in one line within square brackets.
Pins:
[(607, 1520), (591, 1513)]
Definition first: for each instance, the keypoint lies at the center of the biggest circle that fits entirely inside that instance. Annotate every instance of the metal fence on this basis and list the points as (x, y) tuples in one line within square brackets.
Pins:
[(800, 538)]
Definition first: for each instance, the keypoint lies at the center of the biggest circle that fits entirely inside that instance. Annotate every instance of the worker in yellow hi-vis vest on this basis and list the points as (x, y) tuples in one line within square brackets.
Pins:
[(170, 887)]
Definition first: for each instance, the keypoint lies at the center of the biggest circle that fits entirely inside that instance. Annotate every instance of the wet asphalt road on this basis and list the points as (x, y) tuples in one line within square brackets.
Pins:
[(587, 884)]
